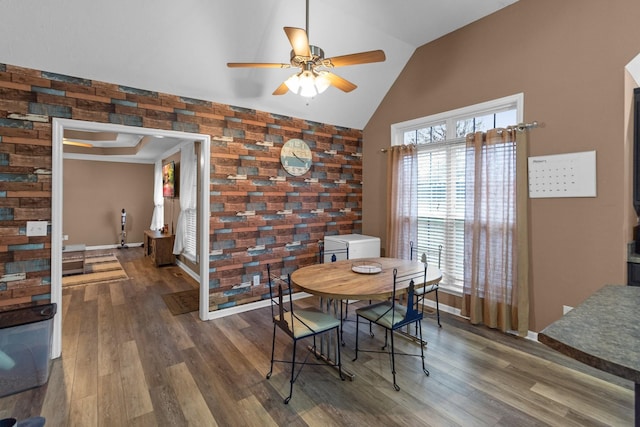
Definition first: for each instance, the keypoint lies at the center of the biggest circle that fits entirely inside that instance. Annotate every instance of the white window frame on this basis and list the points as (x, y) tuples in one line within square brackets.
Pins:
[(450, 118)]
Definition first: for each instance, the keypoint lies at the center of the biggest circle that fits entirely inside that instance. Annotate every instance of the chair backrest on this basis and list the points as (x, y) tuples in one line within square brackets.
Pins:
[(282, 315), (413, 313), (277, 303), (424, 255), (333, 254)]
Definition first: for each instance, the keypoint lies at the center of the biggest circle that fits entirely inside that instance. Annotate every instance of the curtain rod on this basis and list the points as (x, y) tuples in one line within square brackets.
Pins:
[(520, 127), (524, 126)]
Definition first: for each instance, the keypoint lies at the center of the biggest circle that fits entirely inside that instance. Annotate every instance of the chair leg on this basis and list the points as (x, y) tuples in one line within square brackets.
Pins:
[(315, 348), (393, 362), (357, 324), (370, 327), (438, 309), (339, 356), (342, 323), (293, 371), (421, 308), (273, 349), (424, 369)]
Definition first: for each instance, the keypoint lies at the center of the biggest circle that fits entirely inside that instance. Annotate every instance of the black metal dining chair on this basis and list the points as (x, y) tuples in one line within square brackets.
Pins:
[(422, 291), (392, 316), (298, 324), (333, 255)]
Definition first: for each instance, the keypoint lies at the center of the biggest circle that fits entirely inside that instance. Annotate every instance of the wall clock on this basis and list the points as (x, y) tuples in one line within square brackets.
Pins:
[(296, 157)]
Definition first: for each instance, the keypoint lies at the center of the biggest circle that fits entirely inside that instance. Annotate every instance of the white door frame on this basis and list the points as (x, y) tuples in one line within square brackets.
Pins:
[(58, 127)]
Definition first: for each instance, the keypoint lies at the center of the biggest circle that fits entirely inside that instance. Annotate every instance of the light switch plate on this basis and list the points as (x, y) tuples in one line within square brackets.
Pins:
[(36, 228)]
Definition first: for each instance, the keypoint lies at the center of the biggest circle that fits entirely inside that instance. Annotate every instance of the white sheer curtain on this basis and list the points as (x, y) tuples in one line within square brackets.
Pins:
[(402, 206), (188, 197), (157, 220)]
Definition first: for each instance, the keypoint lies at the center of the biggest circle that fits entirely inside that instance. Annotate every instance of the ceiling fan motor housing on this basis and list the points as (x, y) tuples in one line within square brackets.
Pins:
[(316, 58)]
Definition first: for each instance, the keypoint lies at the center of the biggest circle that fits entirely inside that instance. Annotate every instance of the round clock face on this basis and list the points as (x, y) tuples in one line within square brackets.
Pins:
[(296, 157)]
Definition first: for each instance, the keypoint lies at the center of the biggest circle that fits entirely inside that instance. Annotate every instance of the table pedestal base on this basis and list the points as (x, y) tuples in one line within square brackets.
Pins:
[(411, 337), (319, 355)]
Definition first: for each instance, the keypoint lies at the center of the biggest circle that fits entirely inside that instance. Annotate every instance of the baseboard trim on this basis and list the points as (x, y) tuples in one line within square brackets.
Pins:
[(217, 314), (101, 247)]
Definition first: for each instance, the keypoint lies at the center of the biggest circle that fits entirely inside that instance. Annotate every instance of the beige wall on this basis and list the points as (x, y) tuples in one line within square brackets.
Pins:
[(94, 195), (568, 59)]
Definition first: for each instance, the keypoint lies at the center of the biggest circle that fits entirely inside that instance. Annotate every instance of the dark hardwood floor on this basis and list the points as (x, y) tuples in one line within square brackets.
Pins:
[(127, 361)]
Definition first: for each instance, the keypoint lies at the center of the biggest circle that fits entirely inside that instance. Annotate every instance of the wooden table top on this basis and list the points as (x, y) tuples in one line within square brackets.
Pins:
[(337, 280)]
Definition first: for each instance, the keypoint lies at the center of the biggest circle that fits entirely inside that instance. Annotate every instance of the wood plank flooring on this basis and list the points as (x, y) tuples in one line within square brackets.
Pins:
[(127, 361)]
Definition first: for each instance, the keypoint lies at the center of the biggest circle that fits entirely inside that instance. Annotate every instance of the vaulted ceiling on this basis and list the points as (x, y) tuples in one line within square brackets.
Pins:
[(182, 47)]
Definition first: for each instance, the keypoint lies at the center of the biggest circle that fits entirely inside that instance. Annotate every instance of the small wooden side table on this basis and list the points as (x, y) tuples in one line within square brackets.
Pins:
[(159, 247)]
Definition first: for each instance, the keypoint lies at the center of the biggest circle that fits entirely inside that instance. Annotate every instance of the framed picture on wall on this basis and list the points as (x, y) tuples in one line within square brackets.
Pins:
[(169, 179)]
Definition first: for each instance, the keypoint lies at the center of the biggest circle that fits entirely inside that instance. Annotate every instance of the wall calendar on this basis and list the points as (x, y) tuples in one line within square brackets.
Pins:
[(563, 175)]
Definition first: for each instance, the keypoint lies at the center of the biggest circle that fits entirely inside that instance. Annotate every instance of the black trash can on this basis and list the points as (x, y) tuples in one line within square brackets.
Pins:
[(25, 347)]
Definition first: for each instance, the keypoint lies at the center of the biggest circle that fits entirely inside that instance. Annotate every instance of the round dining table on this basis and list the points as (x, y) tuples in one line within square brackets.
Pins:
[(353, 279), (360, 279)]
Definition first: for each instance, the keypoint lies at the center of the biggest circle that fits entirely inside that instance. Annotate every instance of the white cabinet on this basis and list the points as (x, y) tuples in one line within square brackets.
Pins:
[(360, 246)]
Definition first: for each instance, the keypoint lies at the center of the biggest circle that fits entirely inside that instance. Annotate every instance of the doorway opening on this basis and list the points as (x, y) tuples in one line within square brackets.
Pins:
[(59, 127)]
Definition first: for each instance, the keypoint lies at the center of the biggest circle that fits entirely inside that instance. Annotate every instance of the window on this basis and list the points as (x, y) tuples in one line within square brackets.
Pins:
[(441, 177), (186, 239), (192, 233), (191, 215)]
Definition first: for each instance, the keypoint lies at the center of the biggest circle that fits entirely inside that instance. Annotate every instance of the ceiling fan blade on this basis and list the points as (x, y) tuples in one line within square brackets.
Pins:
[(256, 65), (281, 90), (357, 58), (342, 84), (299, 41)]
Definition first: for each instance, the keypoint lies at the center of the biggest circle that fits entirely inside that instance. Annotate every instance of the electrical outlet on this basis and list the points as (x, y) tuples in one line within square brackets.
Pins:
[(256, 280), (36, 228)]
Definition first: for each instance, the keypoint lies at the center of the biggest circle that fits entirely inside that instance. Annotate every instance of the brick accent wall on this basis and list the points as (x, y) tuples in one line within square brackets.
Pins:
[(244, 142)]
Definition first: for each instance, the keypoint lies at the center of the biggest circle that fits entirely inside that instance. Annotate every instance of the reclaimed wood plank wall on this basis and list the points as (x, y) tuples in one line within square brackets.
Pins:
[(299, 210)]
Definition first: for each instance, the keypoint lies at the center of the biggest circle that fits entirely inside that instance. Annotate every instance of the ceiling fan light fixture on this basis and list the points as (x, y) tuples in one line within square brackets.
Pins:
[(293, 83), (322, 82), (308, 83)]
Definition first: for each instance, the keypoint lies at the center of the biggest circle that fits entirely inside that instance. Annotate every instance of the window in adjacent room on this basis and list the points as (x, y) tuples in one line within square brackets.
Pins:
[(190, 248), (441, 177), (191, 217)]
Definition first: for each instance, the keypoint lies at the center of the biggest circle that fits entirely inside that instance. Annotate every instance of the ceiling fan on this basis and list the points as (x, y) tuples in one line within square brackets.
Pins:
[(314, 76)]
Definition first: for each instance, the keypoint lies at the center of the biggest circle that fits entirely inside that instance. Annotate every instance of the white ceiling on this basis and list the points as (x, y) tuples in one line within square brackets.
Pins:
[(182, 47), (145, 149)]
